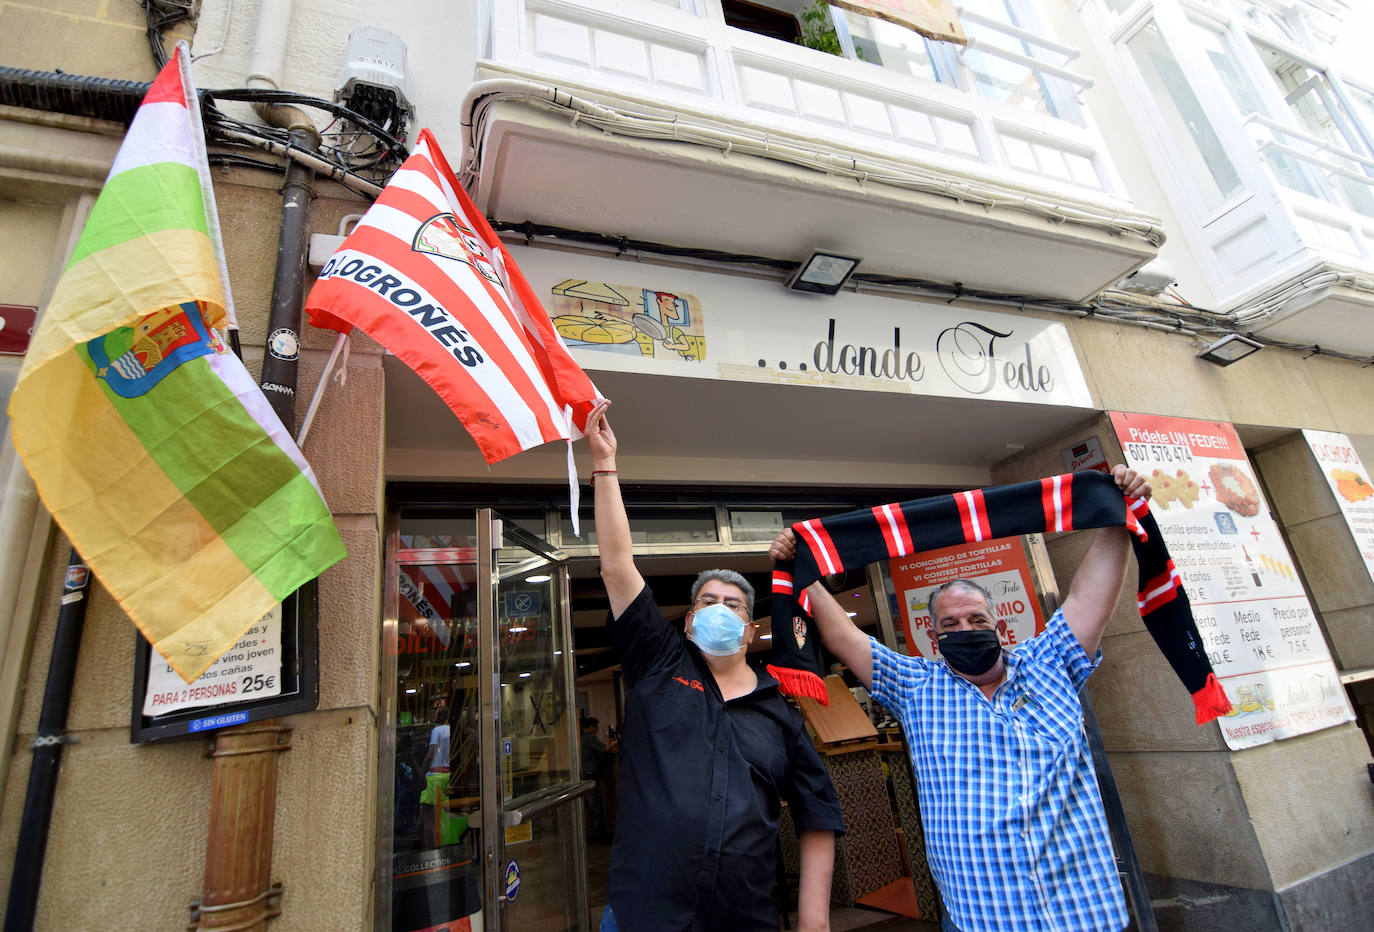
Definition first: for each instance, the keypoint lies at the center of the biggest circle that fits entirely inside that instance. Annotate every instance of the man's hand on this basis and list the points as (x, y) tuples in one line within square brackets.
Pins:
[(1131, 483), (600, 438), (784, 546)]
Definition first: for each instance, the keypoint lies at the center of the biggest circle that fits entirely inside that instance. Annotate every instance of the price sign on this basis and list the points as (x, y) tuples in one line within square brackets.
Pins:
[(271, 670)]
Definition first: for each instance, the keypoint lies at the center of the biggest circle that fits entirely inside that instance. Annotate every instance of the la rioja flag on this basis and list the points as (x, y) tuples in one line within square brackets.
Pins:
[(424, 275)]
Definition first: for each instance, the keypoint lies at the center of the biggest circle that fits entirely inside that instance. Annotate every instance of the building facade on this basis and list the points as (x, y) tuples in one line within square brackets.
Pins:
[(1053, 221)]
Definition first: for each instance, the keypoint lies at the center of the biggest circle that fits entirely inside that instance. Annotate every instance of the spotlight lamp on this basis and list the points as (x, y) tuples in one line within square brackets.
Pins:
[(823, 273), (1231, 348)]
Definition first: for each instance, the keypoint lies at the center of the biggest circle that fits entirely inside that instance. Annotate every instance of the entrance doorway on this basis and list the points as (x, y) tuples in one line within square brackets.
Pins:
[(495, 648), (484, 819)]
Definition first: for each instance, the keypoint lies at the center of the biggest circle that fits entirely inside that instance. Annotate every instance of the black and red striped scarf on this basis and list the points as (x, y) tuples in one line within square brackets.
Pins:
[(1073, 501)]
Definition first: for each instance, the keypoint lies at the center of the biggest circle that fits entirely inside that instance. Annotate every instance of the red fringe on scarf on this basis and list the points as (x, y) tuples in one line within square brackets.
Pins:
[(796, 682), (1210, 701)]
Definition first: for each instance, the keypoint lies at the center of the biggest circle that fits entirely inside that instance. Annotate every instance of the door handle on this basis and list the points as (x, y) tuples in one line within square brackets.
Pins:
[(525, 813)]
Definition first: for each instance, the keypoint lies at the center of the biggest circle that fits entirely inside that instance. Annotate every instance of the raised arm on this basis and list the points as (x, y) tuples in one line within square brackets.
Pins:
[(1097, 584), (841, 636), (613, 543)]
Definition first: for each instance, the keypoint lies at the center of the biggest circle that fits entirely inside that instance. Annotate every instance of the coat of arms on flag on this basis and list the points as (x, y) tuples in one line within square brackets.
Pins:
[(424, 274), (146, 437)]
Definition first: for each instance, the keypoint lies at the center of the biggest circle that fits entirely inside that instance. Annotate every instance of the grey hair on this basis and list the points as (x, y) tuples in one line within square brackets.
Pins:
[(967, 584), (725, 576)]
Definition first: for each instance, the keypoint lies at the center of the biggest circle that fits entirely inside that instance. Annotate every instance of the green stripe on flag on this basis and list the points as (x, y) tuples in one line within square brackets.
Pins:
[(264, 508), (143, 200)]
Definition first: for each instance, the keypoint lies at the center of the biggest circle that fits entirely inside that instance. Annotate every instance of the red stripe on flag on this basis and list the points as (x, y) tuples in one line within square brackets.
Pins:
[(782, 582), (166, 87), (973, 514), (822, 547), (379, 313)]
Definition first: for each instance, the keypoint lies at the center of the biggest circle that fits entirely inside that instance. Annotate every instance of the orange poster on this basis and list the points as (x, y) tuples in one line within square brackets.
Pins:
[(999, 566)]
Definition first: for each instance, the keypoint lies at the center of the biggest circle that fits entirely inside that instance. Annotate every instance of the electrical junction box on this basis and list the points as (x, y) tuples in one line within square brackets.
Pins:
[(375, 79)]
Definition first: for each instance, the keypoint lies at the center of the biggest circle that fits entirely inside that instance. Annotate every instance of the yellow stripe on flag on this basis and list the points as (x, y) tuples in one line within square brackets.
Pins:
[(135, 526), (123, 282)]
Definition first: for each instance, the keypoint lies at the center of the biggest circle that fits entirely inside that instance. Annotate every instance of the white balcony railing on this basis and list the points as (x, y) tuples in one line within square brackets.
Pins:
[(1035, 135)]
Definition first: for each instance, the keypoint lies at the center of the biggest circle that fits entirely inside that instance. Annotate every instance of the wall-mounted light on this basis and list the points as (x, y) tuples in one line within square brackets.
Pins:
[(823, 273), (538, 578), (1231, 348)]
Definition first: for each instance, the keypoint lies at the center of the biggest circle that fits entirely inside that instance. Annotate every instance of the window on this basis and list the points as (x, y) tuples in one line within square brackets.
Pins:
[(1289, 172), (756, 18), (1189, 128), (1005, 55), (1330, 135)]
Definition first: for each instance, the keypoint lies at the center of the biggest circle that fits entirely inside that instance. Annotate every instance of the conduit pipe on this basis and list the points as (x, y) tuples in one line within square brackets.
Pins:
[(678, 127), (266, 65)]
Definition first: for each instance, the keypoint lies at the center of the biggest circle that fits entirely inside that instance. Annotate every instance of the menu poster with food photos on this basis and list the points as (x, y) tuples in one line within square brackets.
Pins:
[(1257, 625), (999, 566), (1349, 482)]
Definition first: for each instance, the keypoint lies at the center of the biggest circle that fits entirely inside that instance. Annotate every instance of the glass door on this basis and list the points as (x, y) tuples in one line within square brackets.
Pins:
[(479, 739), (531, 785)]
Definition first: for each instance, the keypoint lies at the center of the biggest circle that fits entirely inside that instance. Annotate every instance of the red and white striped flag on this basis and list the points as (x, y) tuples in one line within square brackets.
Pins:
[(424, 275)]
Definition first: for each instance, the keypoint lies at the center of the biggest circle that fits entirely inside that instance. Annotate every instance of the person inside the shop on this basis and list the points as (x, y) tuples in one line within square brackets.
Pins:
[(1015, 831), (596, 766), (708, 751)]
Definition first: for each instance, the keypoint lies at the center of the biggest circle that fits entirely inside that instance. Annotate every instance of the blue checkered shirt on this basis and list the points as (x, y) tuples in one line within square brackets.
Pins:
[(1015, 832)]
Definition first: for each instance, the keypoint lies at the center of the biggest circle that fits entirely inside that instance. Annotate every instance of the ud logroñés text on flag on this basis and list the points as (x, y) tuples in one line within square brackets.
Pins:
[(147, 439), (424, 275)]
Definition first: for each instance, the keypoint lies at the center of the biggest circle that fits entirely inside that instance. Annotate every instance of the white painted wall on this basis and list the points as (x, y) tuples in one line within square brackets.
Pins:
[(441, 39)]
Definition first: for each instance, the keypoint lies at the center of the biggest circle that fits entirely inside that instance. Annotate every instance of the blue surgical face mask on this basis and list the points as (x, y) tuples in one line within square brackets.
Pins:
[(717, 630)]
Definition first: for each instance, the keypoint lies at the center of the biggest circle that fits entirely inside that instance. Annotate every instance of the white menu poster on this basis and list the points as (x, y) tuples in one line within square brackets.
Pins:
[(1349, 482), (1258, 627)]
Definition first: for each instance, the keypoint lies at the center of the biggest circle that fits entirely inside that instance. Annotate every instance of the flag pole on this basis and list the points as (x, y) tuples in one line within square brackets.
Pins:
[(340, 343), (47, 744)]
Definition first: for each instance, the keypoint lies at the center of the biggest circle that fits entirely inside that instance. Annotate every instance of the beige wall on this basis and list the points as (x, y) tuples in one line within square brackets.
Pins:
[(128, 837)]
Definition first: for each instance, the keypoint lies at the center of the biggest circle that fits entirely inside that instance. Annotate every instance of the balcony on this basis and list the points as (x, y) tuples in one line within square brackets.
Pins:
[(1268, 156), (657, 120)]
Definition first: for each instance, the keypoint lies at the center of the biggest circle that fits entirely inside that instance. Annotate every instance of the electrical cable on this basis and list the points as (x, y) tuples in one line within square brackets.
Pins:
[(1118, 306)]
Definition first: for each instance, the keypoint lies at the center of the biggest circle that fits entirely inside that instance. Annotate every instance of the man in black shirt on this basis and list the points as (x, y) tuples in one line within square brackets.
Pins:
[(708, 751)]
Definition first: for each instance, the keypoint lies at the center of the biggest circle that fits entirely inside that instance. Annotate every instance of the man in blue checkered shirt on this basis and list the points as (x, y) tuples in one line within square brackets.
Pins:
[(1015, 831)]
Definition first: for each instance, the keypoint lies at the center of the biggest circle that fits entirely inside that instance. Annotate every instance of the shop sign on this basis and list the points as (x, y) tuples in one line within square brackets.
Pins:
[(1349, 482), (999, 566), (251, 669), (1085, 455), (1256, 623), (684, 323), (16, 328)]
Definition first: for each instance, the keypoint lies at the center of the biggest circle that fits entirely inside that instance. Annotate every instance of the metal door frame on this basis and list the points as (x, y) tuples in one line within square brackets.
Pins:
[(492, 533)]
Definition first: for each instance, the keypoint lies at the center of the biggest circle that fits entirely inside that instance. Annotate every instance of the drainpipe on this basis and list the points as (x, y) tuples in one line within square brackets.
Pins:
[(236, 889), (47, 751)]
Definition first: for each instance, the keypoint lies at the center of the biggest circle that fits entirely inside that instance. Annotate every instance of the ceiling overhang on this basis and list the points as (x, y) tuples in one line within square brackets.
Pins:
[(537, 166)]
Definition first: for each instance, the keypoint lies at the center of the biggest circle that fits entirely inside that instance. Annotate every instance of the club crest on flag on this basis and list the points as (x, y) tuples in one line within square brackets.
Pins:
[(445, 235)]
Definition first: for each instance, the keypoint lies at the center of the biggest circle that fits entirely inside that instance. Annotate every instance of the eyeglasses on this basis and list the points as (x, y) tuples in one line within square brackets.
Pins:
[(733, 604)]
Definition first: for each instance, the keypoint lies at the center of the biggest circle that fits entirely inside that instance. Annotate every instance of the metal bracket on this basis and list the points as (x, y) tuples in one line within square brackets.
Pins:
[(43, 741), (268, 904)]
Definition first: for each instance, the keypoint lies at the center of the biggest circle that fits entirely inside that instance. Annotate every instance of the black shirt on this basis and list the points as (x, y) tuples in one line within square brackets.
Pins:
[(697, 823)]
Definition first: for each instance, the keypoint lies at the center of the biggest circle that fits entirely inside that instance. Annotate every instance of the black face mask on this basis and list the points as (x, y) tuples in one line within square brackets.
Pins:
[(972, 653)]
